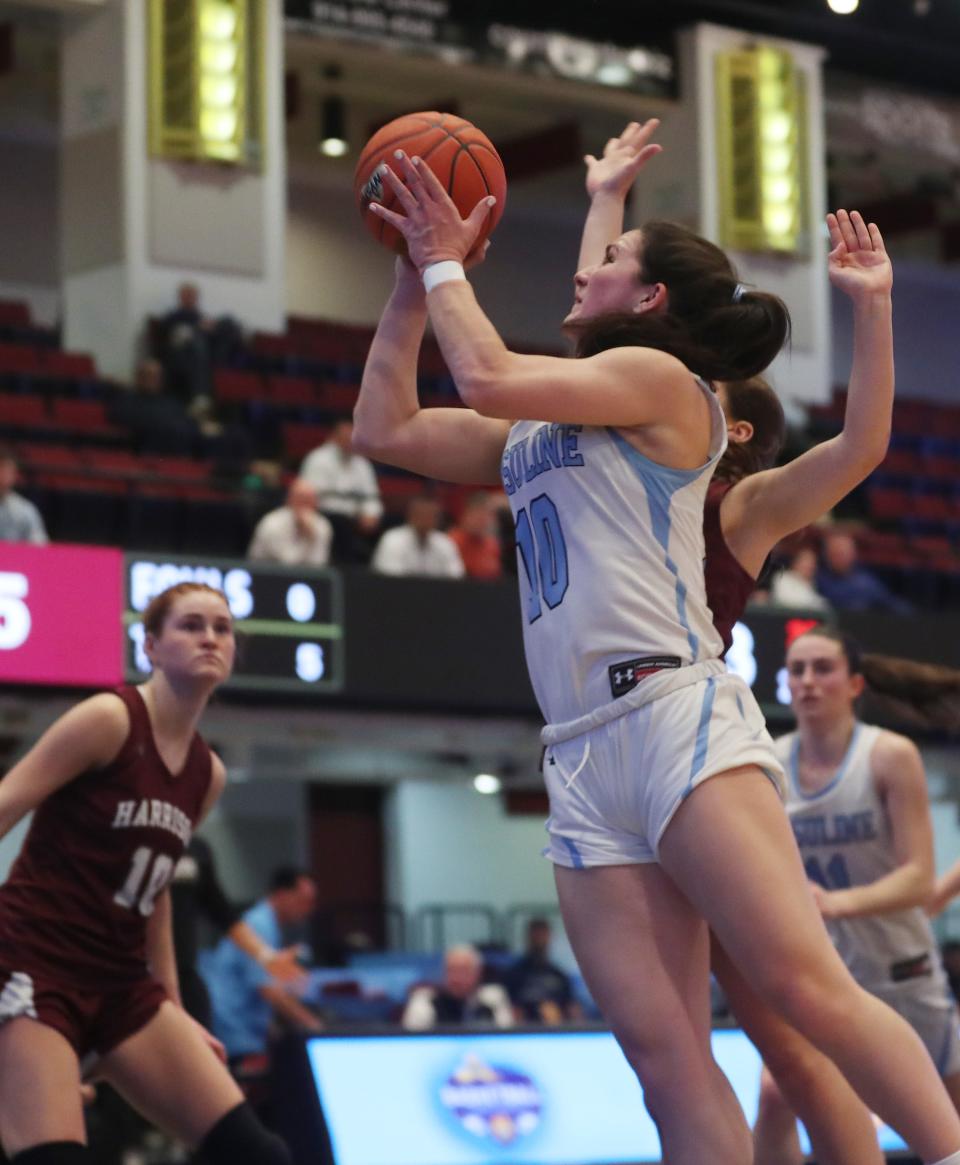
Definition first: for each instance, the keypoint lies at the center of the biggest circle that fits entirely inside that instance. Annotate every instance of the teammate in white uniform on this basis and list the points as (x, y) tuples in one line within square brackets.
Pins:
[(658, 851), (858, 805)]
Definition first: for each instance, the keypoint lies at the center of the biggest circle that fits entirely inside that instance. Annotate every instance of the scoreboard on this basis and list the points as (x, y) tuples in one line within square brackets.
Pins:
[(289, 623), (70, 616)]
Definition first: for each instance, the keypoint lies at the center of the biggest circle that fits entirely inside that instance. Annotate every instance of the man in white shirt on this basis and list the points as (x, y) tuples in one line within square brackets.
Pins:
[(20, 519), (294, 534), (347, 491), (795, 585), (418, 547), (461, 998)]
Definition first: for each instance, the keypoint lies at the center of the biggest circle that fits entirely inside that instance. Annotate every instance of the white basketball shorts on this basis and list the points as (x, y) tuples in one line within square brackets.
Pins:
[(614, 788)]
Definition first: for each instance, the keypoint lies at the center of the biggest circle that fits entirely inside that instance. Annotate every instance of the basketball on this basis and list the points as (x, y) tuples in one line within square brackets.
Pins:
[(461, 156)]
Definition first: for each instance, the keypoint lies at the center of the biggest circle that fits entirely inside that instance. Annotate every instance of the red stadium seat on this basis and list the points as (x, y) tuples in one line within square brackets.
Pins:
[(293, 391), (184, 469), (235, 385), (24, 411), (903, 462), (299, 440), (20, 358), (37, 455), (69, 365), (339, 398), (14, 314), (86, 415), (889, 504)]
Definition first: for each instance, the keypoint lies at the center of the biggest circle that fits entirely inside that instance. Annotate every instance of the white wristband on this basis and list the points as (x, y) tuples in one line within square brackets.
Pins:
[(444, 272)]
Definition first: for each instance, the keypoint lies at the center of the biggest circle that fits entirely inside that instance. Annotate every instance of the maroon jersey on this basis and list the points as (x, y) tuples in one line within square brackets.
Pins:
[(98, 853), (728, 584)]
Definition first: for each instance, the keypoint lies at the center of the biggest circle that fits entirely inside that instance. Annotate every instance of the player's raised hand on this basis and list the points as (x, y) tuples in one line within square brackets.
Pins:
[(858, 263), (431, 225), (622, 160)]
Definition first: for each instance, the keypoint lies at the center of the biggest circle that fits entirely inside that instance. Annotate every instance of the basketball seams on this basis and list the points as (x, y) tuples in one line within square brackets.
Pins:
[(373, 147), (467, 139)]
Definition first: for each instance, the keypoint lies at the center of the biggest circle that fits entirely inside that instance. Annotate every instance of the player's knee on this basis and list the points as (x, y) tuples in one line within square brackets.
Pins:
[(241, 1136), (773, 1104), (812, 1003), (54, 1153)]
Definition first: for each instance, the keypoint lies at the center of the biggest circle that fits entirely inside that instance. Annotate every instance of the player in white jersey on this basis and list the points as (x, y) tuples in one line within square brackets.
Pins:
[(858, 805), (638, 722)]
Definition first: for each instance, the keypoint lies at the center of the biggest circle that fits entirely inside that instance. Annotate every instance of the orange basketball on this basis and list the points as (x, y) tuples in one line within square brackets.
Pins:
[(461, 156)]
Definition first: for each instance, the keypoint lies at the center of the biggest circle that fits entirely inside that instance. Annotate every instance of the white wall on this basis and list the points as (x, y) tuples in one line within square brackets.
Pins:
[(447, 843), (257, 826)]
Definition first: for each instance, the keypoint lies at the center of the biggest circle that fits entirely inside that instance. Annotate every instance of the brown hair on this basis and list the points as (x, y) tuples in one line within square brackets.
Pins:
[(755, 401), (159, 607), (904, 692), (713, 334)]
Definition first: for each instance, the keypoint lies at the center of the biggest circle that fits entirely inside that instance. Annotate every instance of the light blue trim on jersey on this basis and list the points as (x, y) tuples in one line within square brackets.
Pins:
[(949, 1036), (661, 482), (838, 775), (574, 853), (703, 734)]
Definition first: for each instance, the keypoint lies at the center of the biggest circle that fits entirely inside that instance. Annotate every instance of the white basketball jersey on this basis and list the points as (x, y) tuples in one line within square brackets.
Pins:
[(845, 839), (610, 560)]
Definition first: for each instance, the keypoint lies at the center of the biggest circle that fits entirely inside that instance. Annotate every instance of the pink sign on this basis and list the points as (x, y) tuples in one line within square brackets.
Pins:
[(61, 615)]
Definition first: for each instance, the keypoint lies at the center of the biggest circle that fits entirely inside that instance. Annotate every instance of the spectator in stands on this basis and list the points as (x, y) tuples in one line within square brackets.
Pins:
[(157, 421), (185, 346), (476, 539), (244, 997), (794, 586), (539, 990), (191, 343), (462, 997), (20, 520), (348, 493), (418, 547), (848, 586), (294, 533)]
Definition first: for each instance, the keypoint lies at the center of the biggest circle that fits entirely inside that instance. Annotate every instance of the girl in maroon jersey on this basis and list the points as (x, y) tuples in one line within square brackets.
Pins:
[(118, 784), (750, 506)]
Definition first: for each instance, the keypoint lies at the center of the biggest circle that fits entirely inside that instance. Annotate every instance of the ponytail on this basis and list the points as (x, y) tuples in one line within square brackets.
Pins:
[(923, 696)]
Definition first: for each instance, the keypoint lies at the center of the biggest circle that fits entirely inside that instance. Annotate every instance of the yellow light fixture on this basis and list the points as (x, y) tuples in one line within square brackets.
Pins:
[(761, 143), (206, 79)]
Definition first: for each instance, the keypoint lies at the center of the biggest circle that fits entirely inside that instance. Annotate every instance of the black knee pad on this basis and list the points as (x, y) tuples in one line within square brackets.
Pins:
[(241, 1136), (54, 1153)]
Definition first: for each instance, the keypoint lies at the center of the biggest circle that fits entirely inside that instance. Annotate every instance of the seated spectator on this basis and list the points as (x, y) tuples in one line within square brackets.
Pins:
[(539, 990), (244, 998), (476, 539), (348, 492), (794, 586), (185, 346), (191, 343), (294, 533), (461, 998), (20, 520), (157, 421), (850, 587), (418, 547)]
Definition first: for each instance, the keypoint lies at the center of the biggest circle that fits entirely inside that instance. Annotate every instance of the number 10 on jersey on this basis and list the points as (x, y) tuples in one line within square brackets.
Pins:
[(543, 552)]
